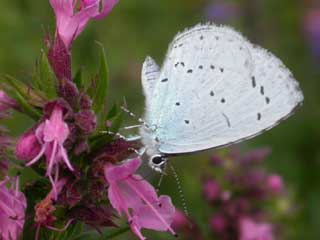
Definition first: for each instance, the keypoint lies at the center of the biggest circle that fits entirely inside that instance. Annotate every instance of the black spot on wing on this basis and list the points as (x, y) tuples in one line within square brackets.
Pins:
[(212, 67), (267, 100), (190, 71), (164, 80), (259, 116), (223, 100), (211, 93), (200, 67), (187, 121), (254, 84), (262, 90), (177, 103)]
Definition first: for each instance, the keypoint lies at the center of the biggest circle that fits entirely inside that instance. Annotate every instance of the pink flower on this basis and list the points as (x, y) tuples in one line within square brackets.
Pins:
[(6, 102), (70, 23), (218, 223), (51, 134), (131, 195), (275, 184), (12, 210), (250, 230), (211, 190)]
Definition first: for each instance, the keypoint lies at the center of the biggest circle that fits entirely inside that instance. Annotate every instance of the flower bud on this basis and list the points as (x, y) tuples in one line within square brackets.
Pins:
[(85, 102), (86, 120), (28, 146)]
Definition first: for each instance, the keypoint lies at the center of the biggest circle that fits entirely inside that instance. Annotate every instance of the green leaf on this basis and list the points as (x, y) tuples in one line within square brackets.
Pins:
[(26, 175), (32, 96), (101, 85), (78, 80), (45, 77), (27, 98)]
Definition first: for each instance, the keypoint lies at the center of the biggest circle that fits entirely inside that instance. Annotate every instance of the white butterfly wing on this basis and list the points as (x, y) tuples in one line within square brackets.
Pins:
[(149, 75), (216, 88)]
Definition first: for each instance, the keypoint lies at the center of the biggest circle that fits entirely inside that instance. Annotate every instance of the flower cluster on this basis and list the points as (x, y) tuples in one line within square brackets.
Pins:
[(12, 209), (75, 168), (238, 194)]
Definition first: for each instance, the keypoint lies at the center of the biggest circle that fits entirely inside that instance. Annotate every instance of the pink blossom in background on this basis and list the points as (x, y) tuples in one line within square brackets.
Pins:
[(275, 184), (250, 230), (12, 210), (211, 190), (134, 197), (52, 134), (222, 11), (218, 223), (70, 22), (312, 30)]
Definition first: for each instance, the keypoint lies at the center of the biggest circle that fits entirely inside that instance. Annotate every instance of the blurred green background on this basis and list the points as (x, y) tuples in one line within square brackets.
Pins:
[(137, 28)]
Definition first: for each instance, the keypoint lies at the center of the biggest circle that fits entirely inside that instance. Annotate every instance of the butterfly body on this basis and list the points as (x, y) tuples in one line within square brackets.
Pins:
[(215, 88)]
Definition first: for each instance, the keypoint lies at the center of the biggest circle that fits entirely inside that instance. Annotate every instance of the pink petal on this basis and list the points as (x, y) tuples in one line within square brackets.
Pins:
[(36, 159), (62, 7), (65, 158), (12, 211), (55, 128), (148, 219), (115, 173), (117, 201), (53, 158), (162, 221), (136, 229)]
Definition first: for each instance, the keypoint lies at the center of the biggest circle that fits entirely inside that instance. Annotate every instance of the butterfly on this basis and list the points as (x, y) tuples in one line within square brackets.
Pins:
[(215, 88)]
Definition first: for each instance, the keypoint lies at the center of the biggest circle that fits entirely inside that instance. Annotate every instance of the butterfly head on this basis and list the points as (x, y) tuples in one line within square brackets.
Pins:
[(158, 162)]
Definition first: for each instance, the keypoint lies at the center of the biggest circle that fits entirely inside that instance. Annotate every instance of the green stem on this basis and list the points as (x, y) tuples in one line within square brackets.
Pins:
[(116, 234)]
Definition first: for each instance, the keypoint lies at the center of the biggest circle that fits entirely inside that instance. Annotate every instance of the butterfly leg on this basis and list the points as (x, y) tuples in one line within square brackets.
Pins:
[(119, 135)]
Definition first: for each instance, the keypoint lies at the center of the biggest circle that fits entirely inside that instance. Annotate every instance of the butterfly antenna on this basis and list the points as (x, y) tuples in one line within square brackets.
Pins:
[(182, 197), (124, 108)]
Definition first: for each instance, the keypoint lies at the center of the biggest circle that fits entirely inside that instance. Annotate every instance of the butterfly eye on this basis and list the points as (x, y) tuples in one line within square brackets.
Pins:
[(158, 160)]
